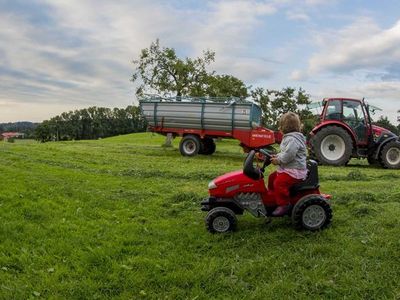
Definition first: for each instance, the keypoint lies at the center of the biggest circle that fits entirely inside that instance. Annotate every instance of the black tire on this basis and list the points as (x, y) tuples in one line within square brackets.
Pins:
[(390, 155), (373, 161), (190, 145), (208, 146), (220, 220), (328, 140), (312, 212)]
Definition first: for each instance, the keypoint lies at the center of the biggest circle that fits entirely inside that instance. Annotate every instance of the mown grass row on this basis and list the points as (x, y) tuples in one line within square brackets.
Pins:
[(120, 218)]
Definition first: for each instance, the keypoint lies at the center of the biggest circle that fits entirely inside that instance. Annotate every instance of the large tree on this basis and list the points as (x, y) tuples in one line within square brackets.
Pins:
[(160, 70), (274, 103), (225, 86)]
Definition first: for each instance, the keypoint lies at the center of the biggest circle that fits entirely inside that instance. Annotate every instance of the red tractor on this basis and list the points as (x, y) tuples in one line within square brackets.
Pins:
[(345, 130), (233, 193)]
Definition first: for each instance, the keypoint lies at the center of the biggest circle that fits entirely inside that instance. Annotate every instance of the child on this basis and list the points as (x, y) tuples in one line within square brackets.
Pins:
[(291, 162)]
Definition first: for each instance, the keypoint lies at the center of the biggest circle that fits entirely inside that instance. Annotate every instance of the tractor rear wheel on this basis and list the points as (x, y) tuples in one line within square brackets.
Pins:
[(390, 155), (312, 212), (332, 145), (220, 220), (190, 145)]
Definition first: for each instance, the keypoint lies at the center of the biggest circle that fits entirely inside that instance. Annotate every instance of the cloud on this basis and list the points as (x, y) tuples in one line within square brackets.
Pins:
[(297, 16), (227, 28), (360, 46), (78, 53), (298, 75), (319, 2)]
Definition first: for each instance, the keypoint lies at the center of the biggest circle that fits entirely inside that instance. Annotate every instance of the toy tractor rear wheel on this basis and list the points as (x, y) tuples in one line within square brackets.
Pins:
[(190, 145), (332, 145), (312, 212), (390, 155), (220, 220)]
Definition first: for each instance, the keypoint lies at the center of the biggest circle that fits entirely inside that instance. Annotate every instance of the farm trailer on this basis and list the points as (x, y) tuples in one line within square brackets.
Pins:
[(198, 121)]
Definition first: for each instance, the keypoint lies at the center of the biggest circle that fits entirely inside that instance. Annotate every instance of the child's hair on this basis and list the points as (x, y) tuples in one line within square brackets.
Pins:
[(289, 122)]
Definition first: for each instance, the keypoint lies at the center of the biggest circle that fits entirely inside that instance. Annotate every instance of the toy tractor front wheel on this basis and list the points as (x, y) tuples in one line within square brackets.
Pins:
[(220, 220), (312, 212)]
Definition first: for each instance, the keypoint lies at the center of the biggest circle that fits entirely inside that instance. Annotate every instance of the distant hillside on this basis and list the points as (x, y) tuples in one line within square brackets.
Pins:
[(26, 127)]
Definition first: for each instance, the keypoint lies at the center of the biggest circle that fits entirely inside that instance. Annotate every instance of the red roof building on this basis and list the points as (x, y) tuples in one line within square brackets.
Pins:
[(8, 135)]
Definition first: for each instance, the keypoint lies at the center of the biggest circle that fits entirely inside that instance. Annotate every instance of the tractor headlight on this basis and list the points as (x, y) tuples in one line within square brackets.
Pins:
[(212, 185)]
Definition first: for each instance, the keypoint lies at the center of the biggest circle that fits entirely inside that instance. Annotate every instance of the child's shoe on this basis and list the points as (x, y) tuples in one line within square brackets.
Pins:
[(281, 210)]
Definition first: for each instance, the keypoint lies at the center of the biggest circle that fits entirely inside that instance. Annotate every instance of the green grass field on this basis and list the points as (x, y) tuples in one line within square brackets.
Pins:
[(120, 218)]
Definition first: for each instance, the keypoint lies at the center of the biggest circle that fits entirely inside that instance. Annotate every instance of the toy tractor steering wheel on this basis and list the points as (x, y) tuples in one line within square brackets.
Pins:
[(267, 160)]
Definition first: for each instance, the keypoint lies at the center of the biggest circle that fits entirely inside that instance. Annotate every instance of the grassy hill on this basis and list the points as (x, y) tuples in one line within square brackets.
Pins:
[(120, 217)]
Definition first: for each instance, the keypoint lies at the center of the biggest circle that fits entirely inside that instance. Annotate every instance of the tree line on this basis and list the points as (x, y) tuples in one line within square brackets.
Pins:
[(91, 123)]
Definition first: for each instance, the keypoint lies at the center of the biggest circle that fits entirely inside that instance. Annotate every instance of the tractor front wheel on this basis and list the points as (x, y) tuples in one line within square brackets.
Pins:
[(312, 212), (390, 155), (332, 145), (220, 220)]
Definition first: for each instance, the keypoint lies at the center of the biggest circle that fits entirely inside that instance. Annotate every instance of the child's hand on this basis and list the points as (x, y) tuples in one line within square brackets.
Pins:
[(274, 160)]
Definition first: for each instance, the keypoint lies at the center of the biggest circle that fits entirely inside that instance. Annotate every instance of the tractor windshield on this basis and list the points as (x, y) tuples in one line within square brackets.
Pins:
[(353, 115)]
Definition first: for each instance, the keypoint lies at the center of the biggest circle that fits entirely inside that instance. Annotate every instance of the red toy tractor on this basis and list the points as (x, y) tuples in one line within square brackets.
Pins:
[(232, 193), (345, 131)]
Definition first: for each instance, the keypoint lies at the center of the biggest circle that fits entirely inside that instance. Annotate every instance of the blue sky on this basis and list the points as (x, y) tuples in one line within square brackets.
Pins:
[(59, 55)]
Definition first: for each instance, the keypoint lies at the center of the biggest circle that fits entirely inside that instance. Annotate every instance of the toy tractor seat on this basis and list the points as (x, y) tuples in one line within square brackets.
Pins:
[(310, 183)]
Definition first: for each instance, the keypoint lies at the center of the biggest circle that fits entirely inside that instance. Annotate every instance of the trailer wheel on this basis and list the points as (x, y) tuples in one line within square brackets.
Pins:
[(332, 145), (190, 145), (390, 155), (220, 220), (208, 146)]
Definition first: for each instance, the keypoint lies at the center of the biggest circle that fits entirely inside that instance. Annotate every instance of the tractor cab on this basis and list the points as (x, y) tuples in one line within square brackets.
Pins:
[(353, 113)]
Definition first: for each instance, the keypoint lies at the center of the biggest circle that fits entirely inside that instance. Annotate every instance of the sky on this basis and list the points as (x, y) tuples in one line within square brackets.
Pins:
[(61, 55)]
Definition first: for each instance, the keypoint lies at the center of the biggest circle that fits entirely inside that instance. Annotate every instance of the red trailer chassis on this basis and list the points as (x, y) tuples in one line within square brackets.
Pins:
[(200, 141)]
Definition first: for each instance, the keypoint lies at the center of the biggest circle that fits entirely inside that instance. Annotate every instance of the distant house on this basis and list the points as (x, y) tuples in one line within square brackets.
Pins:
[(7, 135)]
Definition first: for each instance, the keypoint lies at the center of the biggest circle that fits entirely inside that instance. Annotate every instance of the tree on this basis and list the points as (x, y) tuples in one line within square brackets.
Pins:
[(385, 123), (274, 103), (159, 69), (225, 86)]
